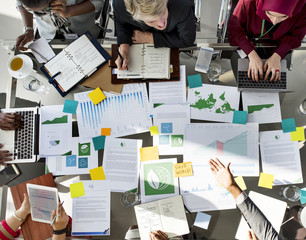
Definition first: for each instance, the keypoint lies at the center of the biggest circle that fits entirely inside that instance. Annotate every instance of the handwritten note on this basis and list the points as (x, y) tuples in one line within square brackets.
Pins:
[(77, 190), (96, 96), (105, 131), (195, 81), (298, 135), (149, 153), (182, 169), (97, 173), (70, 106), (240, 181), (266, 180), (240, 117), (288, 125), (154, 130), (98, 142)]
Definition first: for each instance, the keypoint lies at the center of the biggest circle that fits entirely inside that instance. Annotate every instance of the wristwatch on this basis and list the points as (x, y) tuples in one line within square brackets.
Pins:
[(28, 29), (59, 232)]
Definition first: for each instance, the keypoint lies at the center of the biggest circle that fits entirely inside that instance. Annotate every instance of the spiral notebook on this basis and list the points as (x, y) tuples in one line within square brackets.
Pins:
[(146, 61)]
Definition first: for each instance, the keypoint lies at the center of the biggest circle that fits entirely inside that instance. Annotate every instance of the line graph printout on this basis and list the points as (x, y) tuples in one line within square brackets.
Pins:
[(125, 114)]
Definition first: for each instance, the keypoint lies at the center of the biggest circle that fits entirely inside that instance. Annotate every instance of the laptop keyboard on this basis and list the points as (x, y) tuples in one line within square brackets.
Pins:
[(245, 82), (23, 147)]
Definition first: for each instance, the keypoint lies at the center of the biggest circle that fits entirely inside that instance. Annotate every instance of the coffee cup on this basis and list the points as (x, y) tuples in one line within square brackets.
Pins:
[(20, 66)]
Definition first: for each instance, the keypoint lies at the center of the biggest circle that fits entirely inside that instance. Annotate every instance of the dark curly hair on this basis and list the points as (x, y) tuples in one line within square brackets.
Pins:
[(35, 3)]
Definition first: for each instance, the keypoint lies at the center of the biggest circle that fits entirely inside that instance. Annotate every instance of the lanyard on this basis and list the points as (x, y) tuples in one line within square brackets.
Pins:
[(262, 30)]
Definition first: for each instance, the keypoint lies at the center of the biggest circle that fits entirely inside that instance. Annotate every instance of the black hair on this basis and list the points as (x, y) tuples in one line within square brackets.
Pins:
[(35, 3)]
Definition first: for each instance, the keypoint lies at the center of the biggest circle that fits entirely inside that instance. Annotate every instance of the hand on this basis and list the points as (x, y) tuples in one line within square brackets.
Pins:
[(59, 6), (25, 208), (124, 51), (158, 235), (252, 235), (23, 39), (255, 66), (223, 175), (10, 121), (62, 218), (273, 65), (4, 156), (142, 37)]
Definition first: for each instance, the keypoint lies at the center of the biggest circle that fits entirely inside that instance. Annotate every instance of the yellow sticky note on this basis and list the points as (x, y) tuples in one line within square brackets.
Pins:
[(154, 130), (266, 180), (96, 96), (97, 173), (77, 190), (105, 131), (240, 181), (182, 169), (298, 135), (149, 153)]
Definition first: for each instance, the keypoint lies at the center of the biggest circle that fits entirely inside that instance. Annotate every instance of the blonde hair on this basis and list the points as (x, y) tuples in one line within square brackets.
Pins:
[(143, 9)]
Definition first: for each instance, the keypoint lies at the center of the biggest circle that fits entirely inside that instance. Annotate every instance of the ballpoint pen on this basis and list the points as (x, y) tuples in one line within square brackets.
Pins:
[(55, 215), (39, 54), (119, 54)]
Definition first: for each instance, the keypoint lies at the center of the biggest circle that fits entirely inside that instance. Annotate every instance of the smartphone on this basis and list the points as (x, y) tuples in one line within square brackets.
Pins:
[(8, 174)]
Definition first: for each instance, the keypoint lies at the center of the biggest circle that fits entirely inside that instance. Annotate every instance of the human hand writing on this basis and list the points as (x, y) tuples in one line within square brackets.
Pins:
[(158, 235), (255, 66), (61, 216), (10, 121), (273, 65), (124, 51), (60, 7), (23, 39), (142, 37)]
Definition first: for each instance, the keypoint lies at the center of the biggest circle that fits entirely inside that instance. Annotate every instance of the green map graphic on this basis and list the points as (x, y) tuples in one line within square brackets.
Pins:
[(210, 103), (257, 108), (63, 119)]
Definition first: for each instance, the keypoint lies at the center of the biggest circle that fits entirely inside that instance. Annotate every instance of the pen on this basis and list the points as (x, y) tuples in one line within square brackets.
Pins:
[(119, 54), (39, 54), (55, 215), (287, 221)]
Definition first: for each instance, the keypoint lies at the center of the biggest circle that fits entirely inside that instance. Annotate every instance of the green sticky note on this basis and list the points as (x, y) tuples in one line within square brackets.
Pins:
[(266, 180), (99, 142), (288, 125), (298, 135), (240, 117), (154, 130), (177, 140), (195, 81), (77, 190), (70, 106), (97, 173)]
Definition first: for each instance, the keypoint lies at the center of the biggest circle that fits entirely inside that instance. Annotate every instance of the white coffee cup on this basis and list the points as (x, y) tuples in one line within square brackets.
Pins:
[(20, 66)]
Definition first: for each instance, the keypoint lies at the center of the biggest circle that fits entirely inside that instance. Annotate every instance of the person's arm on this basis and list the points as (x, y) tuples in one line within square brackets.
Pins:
[(60, 223), (59, 6), (261, 226), (28, 35), (10, 121)]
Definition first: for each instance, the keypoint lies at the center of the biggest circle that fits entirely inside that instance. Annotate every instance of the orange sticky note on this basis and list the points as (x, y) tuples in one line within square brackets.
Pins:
[(154, 130), (149, 153), (77, 190), (97, 173), (96, 96), (105, 131), (266, 180), (298, 135), (182, 169), (240, 181)]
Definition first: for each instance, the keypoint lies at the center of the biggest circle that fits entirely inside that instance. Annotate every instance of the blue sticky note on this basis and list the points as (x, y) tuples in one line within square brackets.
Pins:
[(288, 125), (303, 195), (202, 220), (195, 81), (166, 127), (240, 117), (99, 142), (70, 106)]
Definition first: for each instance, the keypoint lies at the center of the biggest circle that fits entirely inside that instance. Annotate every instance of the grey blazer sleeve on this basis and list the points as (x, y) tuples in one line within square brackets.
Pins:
[(257, 220)]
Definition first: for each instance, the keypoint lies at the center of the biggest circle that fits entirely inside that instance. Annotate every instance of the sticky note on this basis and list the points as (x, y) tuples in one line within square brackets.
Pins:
[(77, 190), (97, 173), (303, 195), (154, 130), (240, 181), (149, 153), (288, 125), (240, 117), (266, 180), (98, 142), (182, 169), (105, 131), (70, 106), (202, 220), (195, 81), (96, 96), (298, 135)]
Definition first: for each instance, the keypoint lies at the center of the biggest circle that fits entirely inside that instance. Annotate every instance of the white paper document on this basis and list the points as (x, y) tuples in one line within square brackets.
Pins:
[(281, 157), (121, 160), (170, 120), (91, 213), (55, 130), (43, 200), (213, 102), (262, 107), (157, 180), (42, 50), (272, 208), (79, 159)]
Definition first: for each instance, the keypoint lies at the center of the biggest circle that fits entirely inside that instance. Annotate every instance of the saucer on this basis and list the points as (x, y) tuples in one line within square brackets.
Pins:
[(27, 61)]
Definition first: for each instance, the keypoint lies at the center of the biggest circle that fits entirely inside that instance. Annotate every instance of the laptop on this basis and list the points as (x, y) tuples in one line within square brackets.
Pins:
[(245, 83), (23, 143)]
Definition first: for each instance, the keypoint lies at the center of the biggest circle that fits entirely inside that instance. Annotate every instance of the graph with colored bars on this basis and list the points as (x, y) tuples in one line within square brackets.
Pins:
[(125, 114)]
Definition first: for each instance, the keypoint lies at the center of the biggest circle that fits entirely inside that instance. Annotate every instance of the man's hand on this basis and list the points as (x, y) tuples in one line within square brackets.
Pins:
[(59, 6), (142, 37), (23, 39), (4, 156), (255, 66), (10, 121), (158, 235), (273, 65), (124, 51)]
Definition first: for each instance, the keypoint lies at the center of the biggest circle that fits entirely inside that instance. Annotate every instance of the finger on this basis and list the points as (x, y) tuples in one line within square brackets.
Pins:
[(253, 75), (250, 235), (249, 72), (220, 164), (261, 73), (267, 74), (10, 115), (119, 63), (214, 171), (23, 42), (53, 214), (228, 166), (214, 166), (256, 74), (273, 75), (163, 234), (266, 65), (125, 63)]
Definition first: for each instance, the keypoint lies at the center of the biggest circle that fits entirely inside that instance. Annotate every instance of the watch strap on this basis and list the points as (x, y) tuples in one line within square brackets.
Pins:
[(28, 29), (59, 232)]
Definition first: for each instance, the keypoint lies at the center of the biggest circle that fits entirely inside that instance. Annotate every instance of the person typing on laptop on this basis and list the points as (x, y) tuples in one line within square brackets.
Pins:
[(281, 21)]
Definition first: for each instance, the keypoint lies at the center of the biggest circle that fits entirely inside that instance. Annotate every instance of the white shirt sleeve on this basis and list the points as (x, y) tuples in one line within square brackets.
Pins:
[(240, 199)]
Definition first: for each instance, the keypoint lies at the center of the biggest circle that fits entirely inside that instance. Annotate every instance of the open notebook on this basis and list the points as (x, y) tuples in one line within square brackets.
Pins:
[(146, 61)]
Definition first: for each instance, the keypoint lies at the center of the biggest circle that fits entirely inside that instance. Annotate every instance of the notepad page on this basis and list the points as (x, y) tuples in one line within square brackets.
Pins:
[(85, 54), (69, 76), (156, 62)]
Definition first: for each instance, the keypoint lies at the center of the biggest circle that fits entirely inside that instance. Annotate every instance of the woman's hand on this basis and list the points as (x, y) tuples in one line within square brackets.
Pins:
[(124, 51), (25, 208), (142, 37), (273, 65), (255, 66), (23, 39), (62, 218), (158, 235)]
